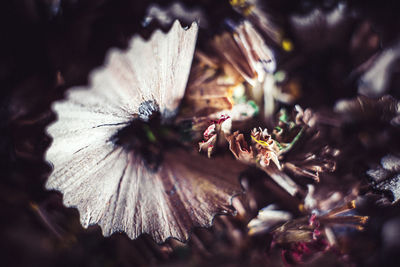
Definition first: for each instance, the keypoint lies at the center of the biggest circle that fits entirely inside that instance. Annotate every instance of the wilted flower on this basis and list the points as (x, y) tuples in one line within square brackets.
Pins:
[(240, 149), (231, 77), (266, 148), (312, 156), (300, 238), (115, 152), (217, 130)]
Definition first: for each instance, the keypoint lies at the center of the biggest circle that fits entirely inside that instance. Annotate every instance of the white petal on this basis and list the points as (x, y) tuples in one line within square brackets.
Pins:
[(112, 187)]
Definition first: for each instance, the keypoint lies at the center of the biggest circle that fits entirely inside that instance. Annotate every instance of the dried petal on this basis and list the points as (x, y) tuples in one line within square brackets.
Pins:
[(240, 148)]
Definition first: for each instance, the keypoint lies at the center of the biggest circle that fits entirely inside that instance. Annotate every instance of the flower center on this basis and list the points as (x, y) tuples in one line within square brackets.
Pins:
[(144, 135)]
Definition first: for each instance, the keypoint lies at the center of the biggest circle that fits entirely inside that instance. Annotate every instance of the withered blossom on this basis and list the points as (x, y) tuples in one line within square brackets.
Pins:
[(300, 238), (260, 153), (115, 153), (233, 77), (240, 149), (215, 133), (312, 158), (236, 77), (313, 155), (266, 147)]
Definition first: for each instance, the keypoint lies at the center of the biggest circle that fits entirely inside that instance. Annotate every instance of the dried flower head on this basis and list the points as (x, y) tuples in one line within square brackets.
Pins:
[(323, 220), (240, 149), (115, 154), (216, 131), (266, 147), (313, 155), (229, 79)]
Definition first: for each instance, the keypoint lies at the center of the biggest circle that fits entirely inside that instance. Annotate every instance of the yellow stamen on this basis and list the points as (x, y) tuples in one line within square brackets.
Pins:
[(263, 143)]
